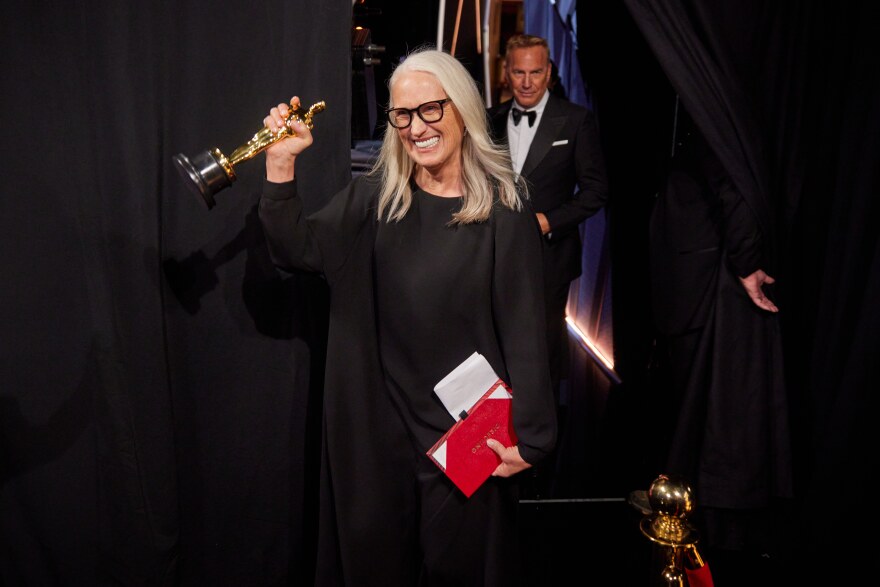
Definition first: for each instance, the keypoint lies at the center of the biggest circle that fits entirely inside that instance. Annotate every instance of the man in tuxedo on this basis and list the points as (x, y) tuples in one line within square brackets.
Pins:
[(554, 146)]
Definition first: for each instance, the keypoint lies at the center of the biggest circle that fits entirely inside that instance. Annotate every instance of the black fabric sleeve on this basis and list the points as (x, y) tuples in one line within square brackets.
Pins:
[(321, 242), (518, 299), (286, 229), (739, 226)]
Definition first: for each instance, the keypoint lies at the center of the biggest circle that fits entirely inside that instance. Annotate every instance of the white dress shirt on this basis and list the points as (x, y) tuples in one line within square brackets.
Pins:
[(519, 137)]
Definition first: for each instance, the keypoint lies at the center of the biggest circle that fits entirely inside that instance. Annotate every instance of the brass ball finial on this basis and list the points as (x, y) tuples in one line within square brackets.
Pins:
[(672, 501), (671, 496)]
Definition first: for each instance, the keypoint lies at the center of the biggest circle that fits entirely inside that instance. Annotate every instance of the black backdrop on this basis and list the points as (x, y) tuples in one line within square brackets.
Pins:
[(154, 388), (789, 93), (157, 377)]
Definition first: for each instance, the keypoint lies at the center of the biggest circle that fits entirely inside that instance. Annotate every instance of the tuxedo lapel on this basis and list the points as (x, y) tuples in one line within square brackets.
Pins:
[(548, 129)]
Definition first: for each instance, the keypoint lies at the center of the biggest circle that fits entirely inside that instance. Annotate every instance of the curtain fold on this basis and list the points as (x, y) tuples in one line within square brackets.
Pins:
[(159, 387), (786, 94)]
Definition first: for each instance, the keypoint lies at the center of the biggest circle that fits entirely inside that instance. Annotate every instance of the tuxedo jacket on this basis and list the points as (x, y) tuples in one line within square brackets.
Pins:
[(565, 174)]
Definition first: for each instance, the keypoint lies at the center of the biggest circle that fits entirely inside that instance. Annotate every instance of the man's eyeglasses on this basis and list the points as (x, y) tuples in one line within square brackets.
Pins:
[(429, 112)]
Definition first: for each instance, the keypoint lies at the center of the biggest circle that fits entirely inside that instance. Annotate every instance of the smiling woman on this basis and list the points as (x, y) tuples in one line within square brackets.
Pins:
[(430, 257)]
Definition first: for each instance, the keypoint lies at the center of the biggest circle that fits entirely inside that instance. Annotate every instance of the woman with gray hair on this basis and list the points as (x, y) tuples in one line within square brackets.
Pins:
[(430, 257)]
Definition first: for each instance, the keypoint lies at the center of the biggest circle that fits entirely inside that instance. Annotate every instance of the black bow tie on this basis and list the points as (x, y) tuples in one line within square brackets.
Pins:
[(518, 114)]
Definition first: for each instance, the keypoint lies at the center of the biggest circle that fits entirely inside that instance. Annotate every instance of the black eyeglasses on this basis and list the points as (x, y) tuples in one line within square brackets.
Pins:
[(429, 112)]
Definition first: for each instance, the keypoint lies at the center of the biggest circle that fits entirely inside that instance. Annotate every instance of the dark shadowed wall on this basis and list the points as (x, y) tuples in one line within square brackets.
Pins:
[(156, 374)]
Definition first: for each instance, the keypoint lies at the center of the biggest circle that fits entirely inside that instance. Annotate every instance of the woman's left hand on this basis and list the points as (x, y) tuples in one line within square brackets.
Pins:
[(511, 462)]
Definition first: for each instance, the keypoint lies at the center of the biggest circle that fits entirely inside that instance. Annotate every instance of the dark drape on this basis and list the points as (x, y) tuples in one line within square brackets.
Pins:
[(786, 94), (737, 374), (697, 54), (832, 247), (157, 403), (156, 375)]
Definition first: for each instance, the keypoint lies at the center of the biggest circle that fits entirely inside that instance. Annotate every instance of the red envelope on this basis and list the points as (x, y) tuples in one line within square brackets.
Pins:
[(462, 453)]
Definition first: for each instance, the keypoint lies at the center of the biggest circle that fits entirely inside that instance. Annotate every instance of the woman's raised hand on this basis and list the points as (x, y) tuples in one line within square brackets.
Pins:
[(280, 156)]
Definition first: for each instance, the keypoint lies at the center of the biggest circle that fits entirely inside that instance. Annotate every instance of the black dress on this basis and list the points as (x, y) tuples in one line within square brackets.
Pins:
[(410, 300)]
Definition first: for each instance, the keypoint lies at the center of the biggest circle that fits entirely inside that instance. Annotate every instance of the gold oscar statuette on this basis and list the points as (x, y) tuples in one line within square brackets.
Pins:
[(211, 171)]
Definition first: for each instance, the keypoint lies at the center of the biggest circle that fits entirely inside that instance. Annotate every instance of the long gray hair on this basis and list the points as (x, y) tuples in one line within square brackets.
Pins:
[(486, 168)]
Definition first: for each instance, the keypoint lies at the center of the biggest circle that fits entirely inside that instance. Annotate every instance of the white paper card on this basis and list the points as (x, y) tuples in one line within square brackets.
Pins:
[(440, 455), (465, 384)]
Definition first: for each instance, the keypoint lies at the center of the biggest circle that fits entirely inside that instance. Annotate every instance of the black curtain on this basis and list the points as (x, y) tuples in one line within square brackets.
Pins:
[(157, 388), (158, 378), (787, 95)]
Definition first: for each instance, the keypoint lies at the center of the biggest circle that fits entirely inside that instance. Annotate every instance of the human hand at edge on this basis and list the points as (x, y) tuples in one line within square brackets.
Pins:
[(542, 220), (753, 285), (511, 462), (281, 155)]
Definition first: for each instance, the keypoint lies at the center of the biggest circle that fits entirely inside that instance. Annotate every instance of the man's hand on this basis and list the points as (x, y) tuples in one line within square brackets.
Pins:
[(753, 285), (542, 220)]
